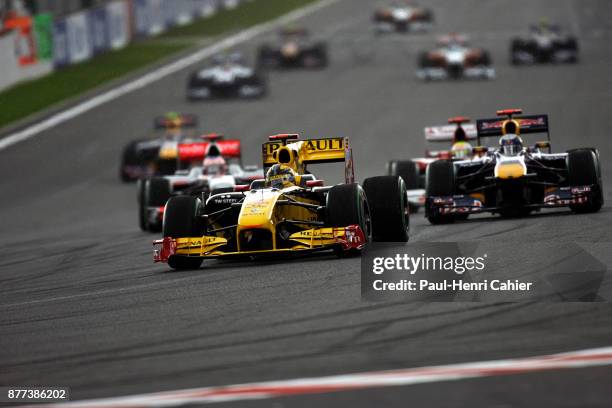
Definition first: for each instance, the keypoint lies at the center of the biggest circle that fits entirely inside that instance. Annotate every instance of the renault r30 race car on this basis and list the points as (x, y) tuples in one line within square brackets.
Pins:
[(206, 167), (402, 16), (295, 49), (156, 156), (546, 43), (459, 132), (227, 77), (454, 58), (513, 180), (288, 212)]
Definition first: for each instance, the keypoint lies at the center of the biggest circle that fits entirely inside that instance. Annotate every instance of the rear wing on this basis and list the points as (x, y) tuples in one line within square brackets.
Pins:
[(312, 151), (527, 123), (182, 121), (197, 150), (445, 133)]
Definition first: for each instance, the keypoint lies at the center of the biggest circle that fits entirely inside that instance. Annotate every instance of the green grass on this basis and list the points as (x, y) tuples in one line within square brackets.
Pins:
[(30, 97)]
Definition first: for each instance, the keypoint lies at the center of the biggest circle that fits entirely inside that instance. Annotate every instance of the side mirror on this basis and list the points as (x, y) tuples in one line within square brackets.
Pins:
[(315, 183), (479, 151), (543, 145), (242, 187)]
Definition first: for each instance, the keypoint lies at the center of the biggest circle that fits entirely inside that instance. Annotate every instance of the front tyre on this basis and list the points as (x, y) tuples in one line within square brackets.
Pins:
[(347, 205), (439, 181), (584, 170), (388, 202), (181, 220)]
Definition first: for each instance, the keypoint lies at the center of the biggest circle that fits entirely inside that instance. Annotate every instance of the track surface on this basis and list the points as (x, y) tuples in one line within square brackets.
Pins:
[(82, 305)]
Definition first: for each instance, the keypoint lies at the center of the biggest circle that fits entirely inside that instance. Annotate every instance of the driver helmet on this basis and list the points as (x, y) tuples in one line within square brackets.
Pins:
[(173, 120), (214, 166), (280, 176), (511, 144), (461, 150)]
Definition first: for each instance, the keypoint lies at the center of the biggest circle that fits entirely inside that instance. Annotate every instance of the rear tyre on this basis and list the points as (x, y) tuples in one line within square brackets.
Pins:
[(439, 181), (388, 204), (181, 221), (584, 170), (267, 58), (142, 213), (129, 157), (407, 170), (347, 205)]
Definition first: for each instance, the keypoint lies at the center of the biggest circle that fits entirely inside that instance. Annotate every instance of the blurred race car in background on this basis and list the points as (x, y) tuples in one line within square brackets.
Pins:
[(288, 212), (156, 156), (513, 180), (403, 16), (546, 43), (227, 77), (459, 132), (295, 50), (211, 166), (454, 58)]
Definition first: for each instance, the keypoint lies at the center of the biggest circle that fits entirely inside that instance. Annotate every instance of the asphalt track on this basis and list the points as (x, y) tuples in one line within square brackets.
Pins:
[(82, 305)]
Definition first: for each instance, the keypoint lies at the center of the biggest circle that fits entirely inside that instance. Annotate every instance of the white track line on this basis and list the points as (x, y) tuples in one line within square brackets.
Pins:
[(348, 382), (158, 74)]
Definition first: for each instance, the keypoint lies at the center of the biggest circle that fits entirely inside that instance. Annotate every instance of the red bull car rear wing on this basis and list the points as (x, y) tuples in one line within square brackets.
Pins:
[(527, 123)]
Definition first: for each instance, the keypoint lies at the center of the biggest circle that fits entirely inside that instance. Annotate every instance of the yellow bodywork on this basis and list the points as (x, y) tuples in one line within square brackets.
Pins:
[(261, 210), (168, 150), (304, 152), (510, 170), (265, 209)]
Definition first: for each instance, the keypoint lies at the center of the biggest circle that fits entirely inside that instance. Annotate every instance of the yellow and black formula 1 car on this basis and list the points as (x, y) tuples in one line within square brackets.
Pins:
[(290, 211)]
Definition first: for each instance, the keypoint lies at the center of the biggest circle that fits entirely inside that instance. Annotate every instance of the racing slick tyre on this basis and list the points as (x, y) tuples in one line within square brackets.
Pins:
[(515, 47), (389, 208), (407, 170), (181, 221), (347, 204), (129, 157), (584, 170), (142, 211), (439, 181), (267, 58), (156, 193)]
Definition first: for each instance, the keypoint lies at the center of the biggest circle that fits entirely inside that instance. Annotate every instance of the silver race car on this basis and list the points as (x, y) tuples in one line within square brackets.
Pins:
[(403, 16), (227, 77), (545, 43), (454, 58)]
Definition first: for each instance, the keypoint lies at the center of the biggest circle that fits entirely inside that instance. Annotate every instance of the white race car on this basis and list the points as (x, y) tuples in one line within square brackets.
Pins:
[(454, 58), (403, 17), (208, 167), (458, 132), (228, 77)]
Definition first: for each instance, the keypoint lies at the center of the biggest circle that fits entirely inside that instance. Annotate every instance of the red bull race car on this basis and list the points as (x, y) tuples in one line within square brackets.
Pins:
[(513, 179), (295, 50), (209, 166), (459, 132), (157, 156), (288, 212)]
